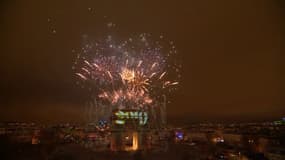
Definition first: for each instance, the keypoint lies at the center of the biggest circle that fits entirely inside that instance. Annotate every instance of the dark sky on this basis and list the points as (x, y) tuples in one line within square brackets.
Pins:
[(232, 55)]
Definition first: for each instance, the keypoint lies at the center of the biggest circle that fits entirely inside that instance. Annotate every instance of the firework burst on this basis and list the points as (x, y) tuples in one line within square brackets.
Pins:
[(129, 74)]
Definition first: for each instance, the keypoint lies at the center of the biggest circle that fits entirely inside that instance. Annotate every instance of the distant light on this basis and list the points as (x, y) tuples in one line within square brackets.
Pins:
[(179, 135), (54, 31), (120, 122)]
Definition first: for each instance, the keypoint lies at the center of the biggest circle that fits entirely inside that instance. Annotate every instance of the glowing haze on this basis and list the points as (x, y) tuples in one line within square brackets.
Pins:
[(131, 74)]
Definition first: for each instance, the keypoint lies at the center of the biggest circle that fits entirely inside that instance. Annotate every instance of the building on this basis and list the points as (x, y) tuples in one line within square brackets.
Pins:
[(130, 130)]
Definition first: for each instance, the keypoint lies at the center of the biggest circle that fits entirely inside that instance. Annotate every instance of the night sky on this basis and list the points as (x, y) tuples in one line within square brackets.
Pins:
[(232, 55)]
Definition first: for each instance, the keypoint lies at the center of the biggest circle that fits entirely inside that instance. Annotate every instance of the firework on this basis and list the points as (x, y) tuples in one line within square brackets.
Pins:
[(129, 74)]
